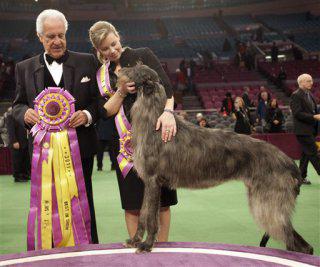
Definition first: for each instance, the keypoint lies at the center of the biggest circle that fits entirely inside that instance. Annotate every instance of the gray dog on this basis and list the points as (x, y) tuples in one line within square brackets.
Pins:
[(200, 158)]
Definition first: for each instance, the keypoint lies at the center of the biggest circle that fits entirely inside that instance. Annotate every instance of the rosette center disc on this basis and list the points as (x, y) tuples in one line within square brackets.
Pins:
[(53, 109)]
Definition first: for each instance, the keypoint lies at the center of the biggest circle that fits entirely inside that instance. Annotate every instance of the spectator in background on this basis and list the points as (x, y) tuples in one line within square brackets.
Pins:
[(207, 59), (246, 99), (190, 75), (239, 60), (18, 143), (282, 76), (260, 34), (106, 132), (182, 66), (227, 105), (180, 81), (263, 89), (274, 118), (297, 54), (262, 108), (4, 141), (199, 117), (242, 117), (203, 123), (306, 119), (226, 45), (274, 52), (250, 56)]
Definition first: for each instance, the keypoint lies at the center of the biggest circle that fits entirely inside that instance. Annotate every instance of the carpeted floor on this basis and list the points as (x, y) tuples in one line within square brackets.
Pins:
[(217, 215)]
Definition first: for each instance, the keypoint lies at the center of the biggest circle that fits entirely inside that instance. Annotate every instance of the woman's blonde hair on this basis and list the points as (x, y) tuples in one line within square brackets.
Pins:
[(98, 32), (241, 100)]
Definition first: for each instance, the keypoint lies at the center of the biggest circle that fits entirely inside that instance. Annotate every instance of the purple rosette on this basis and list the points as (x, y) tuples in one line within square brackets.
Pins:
[(55, 107)]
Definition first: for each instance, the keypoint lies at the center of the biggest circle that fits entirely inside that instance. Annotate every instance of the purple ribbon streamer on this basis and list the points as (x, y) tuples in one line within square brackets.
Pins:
[(75, 154)]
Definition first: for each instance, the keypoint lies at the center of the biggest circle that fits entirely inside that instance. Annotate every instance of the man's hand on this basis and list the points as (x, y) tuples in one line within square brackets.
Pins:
[(31, 117), (317, 117), (78, 118), (16, 145)]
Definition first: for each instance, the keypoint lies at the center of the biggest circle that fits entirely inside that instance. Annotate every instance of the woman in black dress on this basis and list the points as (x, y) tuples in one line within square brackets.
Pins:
[(274, 117), (242, 116), (106, 40)]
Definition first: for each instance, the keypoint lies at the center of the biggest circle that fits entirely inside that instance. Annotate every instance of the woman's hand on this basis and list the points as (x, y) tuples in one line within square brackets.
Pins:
[(128, 88), (168, 124)]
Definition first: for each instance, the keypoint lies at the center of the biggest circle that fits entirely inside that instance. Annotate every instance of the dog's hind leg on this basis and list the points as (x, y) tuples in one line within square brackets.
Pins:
[(295, 242), (264, 240)]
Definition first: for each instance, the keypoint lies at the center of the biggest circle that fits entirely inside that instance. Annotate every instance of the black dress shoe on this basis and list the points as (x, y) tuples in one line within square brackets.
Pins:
[(20, 180), (306, 181)]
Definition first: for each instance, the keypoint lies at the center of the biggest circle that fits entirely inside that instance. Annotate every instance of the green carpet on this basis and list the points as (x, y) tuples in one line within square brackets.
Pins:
[(218, 215)]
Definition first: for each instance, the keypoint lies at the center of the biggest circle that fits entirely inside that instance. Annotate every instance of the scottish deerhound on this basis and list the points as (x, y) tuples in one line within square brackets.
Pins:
[(200, 158)]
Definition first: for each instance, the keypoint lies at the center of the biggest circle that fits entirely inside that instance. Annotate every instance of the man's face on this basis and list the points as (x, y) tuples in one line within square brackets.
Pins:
[(306, 83), (53, 37)]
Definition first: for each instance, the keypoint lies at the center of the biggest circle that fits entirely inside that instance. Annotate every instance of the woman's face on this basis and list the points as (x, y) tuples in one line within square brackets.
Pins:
[(274, 103), (203, 123), (111, 48), (238, 103)]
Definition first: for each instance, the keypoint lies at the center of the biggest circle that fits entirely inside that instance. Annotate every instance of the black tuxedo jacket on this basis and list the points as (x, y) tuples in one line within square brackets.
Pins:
[(302, 111), (29, 75)]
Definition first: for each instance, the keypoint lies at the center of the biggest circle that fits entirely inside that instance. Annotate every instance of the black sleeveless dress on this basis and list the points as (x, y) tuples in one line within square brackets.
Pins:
[(131, 187)]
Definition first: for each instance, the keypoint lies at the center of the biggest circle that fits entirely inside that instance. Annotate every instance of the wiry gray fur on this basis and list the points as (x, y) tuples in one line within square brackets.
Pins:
[(202, 158)]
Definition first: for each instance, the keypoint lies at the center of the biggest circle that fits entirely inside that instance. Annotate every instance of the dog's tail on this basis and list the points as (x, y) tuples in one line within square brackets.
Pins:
[(272, 205), (297, 178)]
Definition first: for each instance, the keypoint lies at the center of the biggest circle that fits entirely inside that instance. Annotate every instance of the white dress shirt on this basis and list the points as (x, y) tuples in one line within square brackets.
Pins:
[(56, 71)]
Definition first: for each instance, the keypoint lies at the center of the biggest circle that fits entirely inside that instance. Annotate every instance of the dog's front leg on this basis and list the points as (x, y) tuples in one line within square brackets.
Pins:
[(149, 215)]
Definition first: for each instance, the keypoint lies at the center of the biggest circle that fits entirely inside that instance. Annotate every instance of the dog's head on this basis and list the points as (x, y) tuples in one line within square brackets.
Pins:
[(145, 78)]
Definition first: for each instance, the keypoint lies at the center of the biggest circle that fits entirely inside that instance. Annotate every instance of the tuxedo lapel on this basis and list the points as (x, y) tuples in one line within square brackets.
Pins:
[(38, 76), (68, 77)]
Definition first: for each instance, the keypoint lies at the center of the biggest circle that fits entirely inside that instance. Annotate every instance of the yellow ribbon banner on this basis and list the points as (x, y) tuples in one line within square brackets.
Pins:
[(60, 161)]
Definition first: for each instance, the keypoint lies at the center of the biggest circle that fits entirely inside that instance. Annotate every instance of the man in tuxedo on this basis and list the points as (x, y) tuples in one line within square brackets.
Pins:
[(306, 120), (75, 72)]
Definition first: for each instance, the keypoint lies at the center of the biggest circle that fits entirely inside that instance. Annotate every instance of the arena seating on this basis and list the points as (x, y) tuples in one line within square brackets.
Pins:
[(169, 5), (292, 68), (290, 22)]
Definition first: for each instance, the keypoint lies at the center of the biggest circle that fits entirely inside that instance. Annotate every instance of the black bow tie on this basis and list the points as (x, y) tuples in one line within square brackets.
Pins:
[(59, 60)]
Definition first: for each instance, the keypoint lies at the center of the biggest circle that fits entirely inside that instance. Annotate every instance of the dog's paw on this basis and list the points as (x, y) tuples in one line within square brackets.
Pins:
[(131, 243), (144, 248)]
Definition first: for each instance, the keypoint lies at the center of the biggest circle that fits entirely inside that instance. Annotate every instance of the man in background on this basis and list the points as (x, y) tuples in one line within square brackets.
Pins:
[(306, 119)]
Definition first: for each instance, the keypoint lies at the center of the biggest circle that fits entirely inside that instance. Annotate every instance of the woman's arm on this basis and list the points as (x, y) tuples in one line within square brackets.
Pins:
[(166, 121), (112, 106)]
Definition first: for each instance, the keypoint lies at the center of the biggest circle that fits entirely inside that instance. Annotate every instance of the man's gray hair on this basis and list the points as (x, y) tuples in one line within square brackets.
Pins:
[(302, 77), (50, 13)]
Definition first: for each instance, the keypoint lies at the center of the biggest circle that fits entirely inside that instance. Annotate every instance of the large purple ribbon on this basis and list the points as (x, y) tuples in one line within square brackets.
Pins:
[(55, 107)]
